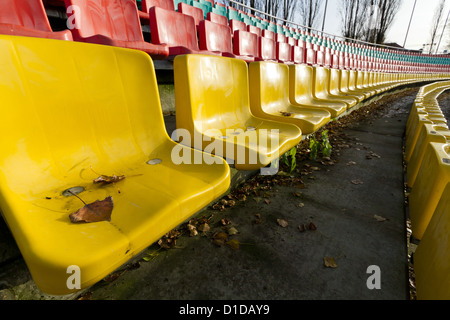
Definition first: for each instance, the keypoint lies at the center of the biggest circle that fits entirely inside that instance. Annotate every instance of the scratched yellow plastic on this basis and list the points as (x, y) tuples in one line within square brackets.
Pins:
[(72, 111), (432, 177), (321, 88), (431, 260), (301, 81), (212, 104), (269, 98)]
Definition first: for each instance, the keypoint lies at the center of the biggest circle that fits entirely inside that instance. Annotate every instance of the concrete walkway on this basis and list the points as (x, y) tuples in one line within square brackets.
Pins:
[(335, 230)]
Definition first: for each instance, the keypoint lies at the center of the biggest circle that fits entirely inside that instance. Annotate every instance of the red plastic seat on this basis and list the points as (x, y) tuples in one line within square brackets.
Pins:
[(237, 25), (114, 23), (298, 55), (284, 52), (267, 49), (245, 45), (28, 18), (215, 37), (280, 38), (254, 30), (147, 4), (175, 30), (217, 18), (268, 34), (194, 12)]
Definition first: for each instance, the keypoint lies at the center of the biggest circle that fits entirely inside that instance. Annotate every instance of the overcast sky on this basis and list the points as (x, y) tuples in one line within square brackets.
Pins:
[(419, 32)]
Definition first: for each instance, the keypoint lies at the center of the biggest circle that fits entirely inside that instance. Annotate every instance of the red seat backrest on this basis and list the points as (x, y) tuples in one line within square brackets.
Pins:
[(284, 52), (165, 4), (214, 37), (194, 12), (217, 18), (237, 25), (116, 19), (25, 13), (245, 43), (280, 38), (172, 28), (268, 34), (254, 30), (267, 49), (298, 54)]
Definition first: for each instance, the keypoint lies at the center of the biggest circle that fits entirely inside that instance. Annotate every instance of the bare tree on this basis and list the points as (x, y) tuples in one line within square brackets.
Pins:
[(309, 12), (354, 17), (387, 10), (438, 16)]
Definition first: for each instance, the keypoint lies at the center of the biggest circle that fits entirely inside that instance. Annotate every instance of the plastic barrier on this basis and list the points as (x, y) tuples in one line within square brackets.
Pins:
[(213, 107), (115, 129)]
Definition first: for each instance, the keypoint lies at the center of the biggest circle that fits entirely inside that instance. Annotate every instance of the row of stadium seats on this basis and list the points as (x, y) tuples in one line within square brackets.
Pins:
[(248, 114), (427, 153), (192, 30)]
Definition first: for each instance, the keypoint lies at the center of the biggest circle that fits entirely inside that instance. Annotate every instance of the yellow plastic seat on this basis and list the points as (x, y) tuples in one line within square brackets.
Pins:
[(269, 98), (335, 84), (212, 105), (321, 88), (428, 133), (72, 112), (301, 91), (431, 258), (344, 87), (353, 85), (432, 177)]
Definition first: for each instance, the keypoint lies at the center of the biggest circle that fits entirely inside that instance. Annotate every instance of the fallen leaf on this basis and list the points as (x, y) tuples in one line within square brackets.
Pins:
[(232, 231), (94, 212), (267, 201), (312, 226), (286, 114), (225, 221), (282, 223), (233, 244), (301, 205), (204, 227), (302, 227), (379, 218), (298, 194), (329, 262), (108, 179), (351, 163), (357, 181)]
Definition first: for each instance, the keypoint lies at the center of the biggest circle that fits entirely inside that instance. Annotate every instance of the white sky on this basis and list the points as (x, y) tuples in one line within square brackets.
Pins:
[(419, 31)]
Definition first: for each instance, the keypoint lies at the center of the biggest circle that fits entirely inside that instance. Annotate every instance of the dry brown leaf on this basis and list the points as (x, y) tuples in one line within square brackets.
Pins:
[(302, 227), (267, 201), (312, 226), (232, 231), (282, 223), (233, 244), (286, 114), (204, 227), (379, 218), (357, 181), (104, 179), (94, 212), (329, 262)]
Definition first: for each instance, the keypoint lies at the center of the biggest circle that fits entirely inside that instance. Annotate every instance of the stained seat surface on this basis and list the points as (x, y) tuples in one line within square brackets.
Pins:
[(59, 139)]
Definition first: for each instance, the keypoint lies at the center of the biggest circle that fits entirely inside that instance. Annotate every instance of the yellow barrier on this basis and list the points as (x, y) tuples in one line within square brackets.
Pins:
[(432, 177), (212, 104), (72, 113), (431, 258)]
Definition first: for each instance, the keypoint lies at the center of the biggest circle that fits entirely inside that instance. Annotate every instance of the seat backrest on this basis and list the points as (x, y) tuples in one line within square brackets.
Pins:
[(269, 86), (300, 83), (116, 19), (215, 98), (284, 52), (268, 34), (298, 54), (245, 43), (214, 37), (335, 81), (321, 81), (104, 98), (254, 30), (217, 18), (25, 13), (165, 4), (267, 49), (172, 28), (194, 12), (237, 25)]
